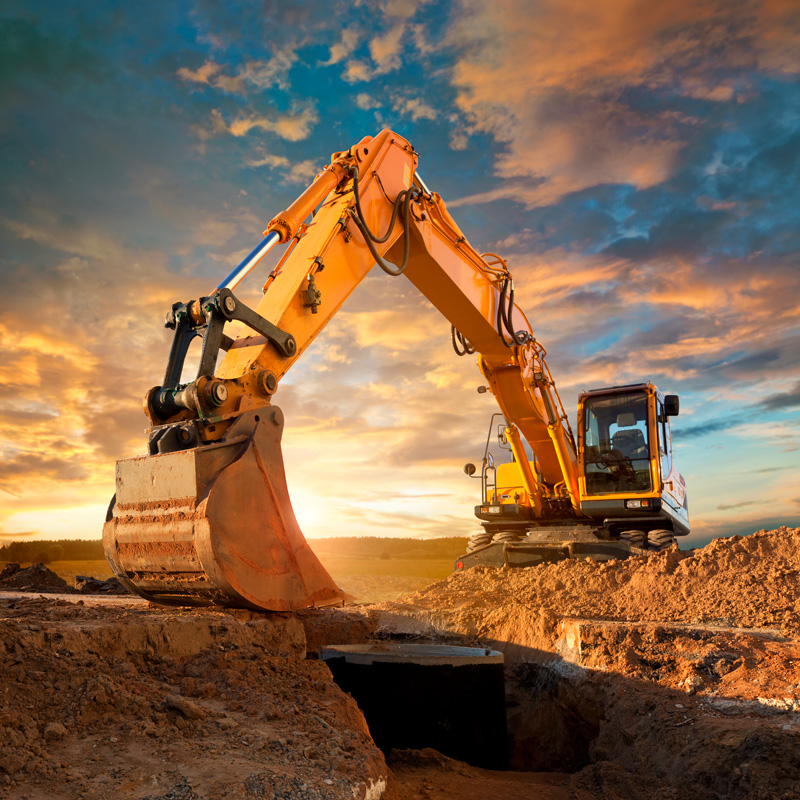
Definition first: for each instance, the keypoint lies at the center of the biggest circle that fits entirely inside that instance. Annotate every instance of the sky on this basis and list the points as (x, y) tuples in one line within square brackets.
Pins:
[(637, 163)]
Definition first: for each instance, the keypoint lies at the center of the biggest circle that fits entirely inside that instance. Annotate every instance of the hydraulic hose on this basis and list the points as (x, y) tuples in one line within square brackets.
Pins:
[(504, 311), (403, 199), (460, 342)]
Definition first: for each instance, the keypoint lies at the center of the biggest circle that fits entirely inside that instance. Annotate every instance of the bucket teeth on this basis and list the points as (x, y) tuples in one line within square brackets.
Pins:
[(214, 525)]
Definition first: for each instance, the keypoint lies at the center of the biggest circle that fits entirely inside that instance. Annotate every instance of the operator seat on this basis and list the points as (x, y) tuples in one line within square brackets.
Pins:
[(628, 441)]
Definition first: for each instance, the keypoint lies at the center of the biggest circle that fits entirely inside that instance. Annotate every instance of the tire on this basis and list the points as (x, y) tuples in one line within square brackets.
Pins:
[(508, 536), (660, 540), (633, 538), (478, 540)]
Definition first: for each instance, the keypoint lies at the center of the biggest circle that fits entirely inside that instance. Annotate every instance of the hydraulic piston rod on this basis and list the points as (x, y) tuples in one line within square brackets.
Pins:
[(235, 277)]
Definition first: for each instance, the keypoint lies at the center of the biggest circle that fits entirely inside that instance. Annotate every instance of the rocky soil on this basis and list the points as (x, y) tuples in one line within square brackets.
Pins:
[(747, 582), (38, 578)]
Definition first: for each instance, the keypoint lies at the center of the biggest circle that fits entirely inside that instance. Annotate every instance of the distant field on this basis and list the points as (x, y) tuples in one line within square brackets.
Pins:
[(69, 569), (366, 578), (433, 569)]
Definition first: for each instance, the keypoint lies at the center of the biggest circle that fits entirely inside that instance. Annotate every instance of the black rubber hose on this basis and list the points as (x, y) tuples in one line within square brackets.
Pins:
[(397, 202), (460, 343), (504, 312), (404, 199)]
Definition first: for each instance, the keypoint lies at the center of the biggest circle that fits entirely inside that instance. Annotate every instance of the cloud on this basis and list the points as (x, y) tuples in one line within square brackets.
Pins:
[(294, 172), (293, 127), (421, 41), (357, 72), (304, 171), (345, 46), (268, 160), (386, 48), (17, 535), (413, 107), (259, 74), (742, 504), (366, 102), (565, 97), (401, 9), (24, 468), (782, 400), (204, 74)]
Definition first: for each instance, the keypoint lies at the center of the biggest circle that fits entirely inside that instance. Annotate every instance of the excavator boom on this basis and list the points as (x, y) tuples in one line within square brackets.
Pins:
[(205, 517)]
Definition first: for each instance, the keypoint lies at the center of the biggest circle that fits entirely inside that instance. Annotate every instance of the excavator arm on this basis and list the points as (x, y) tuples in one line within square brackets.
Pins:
[(206, 517)]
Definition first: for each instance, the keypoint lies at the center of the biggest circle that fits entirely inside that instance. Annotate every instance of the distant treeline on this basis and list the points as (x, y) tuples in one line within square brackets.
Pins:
[(377, 547), (49, 551), (353, 546)]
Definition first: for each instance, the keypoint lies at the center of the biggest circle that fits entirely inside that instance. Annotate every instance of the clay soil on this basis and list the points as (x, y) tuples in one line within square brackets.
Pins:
[(670, 676)]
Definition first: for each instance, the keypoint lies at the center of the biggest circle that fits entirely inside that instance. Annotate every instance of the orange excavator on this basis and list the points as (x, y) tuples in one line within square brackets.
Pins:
[(205, 517)]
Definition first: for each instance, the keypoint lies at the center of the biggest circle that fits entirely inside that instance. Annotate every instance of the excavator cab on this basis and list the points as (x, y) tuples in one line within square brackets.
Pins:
[(617, 444), (625, 465)]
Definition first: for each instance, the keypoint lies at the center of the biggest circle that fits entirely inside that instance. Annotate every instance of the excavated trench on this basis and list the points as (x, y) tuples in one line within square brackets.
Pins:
[(614, 734), (462, 702)]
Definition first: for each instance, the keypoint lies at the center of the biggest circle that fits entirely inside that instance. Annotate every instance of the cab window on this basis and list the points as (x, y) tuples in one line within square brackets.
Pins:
[(616, 444)]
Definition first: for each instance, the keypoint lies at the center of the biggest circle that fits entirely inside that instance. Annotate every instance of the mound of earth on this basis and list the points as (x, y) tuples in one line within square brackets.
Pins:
[(666, 676), (36, 578), (746, 582), (137, 701), (86, 584), (40, 579)]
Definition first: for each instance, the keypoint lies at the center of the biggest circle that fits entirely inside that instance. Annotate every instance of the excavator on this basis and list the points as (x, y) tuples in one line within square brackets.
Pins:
[(205, 517)]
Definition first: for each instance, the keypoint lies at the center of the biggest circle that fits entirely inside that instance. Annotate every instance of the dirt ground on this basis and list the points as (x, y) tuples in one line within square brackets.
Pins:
[(135, 701), (670, 676)]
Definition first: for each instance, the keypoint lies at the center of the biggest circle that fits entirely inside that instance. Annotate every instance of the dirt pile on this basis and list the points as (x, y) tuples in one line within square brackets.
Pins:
[(86, 584), (40, 579), (36, 578), (138, 701), (747, 582), (428, 775)]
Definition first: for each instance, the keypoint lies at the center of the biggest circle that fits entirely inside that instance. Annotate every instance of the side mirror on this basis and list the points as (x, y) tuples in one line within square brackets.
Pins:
[(469, 469), (671, 405)]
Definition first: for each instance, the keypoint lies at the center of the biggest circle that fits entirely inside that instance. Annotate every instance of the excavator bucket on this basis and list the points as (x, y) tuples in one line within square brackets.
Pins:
[(214, 525)]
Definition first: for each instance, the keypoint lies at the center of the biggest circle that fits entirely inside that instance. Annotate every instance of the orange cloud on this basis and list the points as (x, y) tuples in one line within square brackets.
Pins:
[(553, 91), (292, 127)]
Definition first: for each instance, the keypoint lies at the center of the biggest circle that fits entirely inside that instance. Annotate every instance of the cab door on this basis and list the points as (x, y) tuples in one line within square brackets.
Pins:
[(673, 488)]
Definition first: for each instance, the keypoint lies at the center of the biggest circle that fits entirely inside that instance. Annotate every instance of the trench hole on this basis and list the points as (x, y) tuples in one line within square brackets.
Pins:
[(554, 719), (468, 705)]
